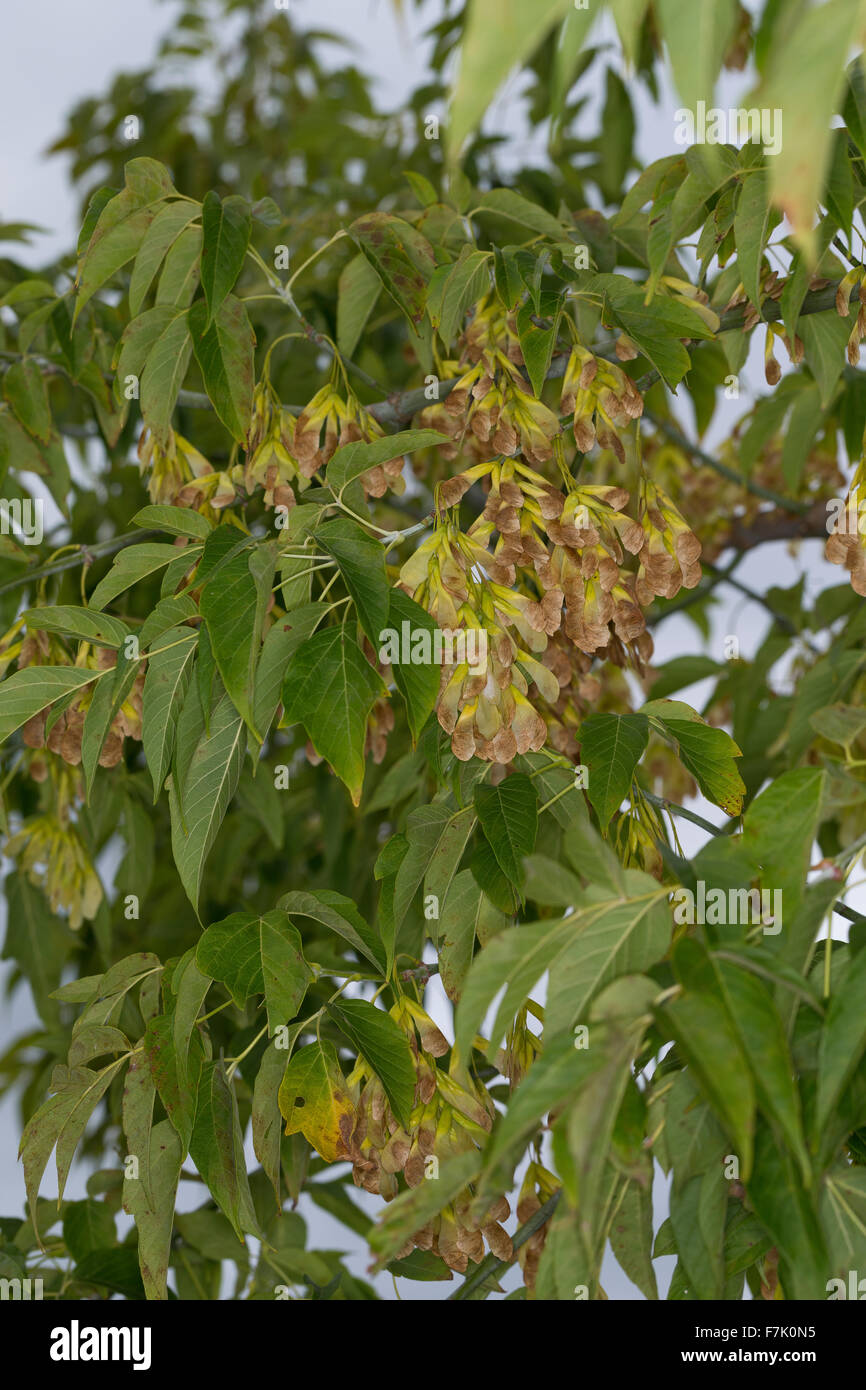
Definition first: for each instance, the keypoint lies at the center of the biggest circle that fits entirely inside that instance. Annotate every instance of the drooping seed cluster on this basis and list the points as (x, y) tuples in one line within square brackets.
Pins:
[(537, 564), (451, 1116)]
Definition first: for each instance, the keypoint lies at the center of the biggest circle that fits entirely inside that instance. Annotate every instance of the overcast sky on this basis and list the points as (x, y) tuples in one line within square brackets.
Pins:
[(57, 53)]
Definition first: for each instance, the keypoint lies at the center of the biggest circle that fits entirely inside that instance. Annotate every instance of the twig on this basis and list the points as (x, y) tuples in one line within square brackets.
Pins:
[(85, 554), (677, 437), (841, 909), (779, 619)]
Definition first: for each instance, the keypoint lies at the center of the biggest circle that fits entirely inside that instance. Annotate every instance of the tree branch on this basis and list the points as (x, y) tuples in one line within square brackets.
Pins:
[(86, 553)]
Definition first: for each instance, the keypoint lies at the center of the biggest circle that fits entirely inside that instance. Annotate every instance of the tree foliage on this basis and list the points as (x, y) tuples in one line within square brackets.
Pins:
[(302, 421)]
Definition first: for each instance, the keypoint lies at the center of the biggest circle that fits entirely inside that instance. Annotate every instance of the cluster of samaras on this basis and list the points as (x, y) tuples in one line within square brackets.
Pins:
[(542, 572), (557, 577), (452, 1115)]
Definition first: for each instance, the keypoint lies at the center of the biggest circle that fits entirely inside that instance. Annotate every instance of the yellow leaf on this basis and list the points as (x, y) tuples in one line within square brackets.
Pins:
[(315, 1101)]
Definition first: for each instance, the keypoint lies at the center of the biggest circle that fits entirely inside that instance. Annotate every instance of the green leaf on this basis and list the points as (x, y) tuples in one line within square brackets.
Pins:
[(762, 1034), (617, 1023), (467, 280), (550, 883), (824, 340), (132, 565), (402, 258), (611, 746), (614, 939), (234, 611), (121, 226), (702, 1027), (565, 1264), (513, 206), (508, 815), (680, 672), (266, 1123), (154, 1218), (199, 800), (466, 915), (165, 686), (173, 1045), (697, 37), (629, 16), (499, 35), (98, 628), (87, 1226), (223, 346), (569, 42), (656, 327), (60, 1121), (779, 830), (34, 688), (806, 80), (602, 940), (417, 681), (108, 697), (339, 914), (558, 1075), (167, 613), (829, 679), (839, 723), (181, 271), (787, 1213), (163, 376), (631, 1238), (115, 1270), (330, 688), (694, 1139), (384, 1045), (226, 227), (217, 1149), (698, 1209), (420, 1264), (707, 753), (504, 895), (843, 1041), (352, 460), (281, 641), (843, 1219), (357, 292), (179, 521), (163, 231), (537, 343), (136, 344), (96, 1040), (257, 954), (139, 1094), (112, 988), (437, 837), (361, 559), (37, 941), (751, 229), (24, 389)]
